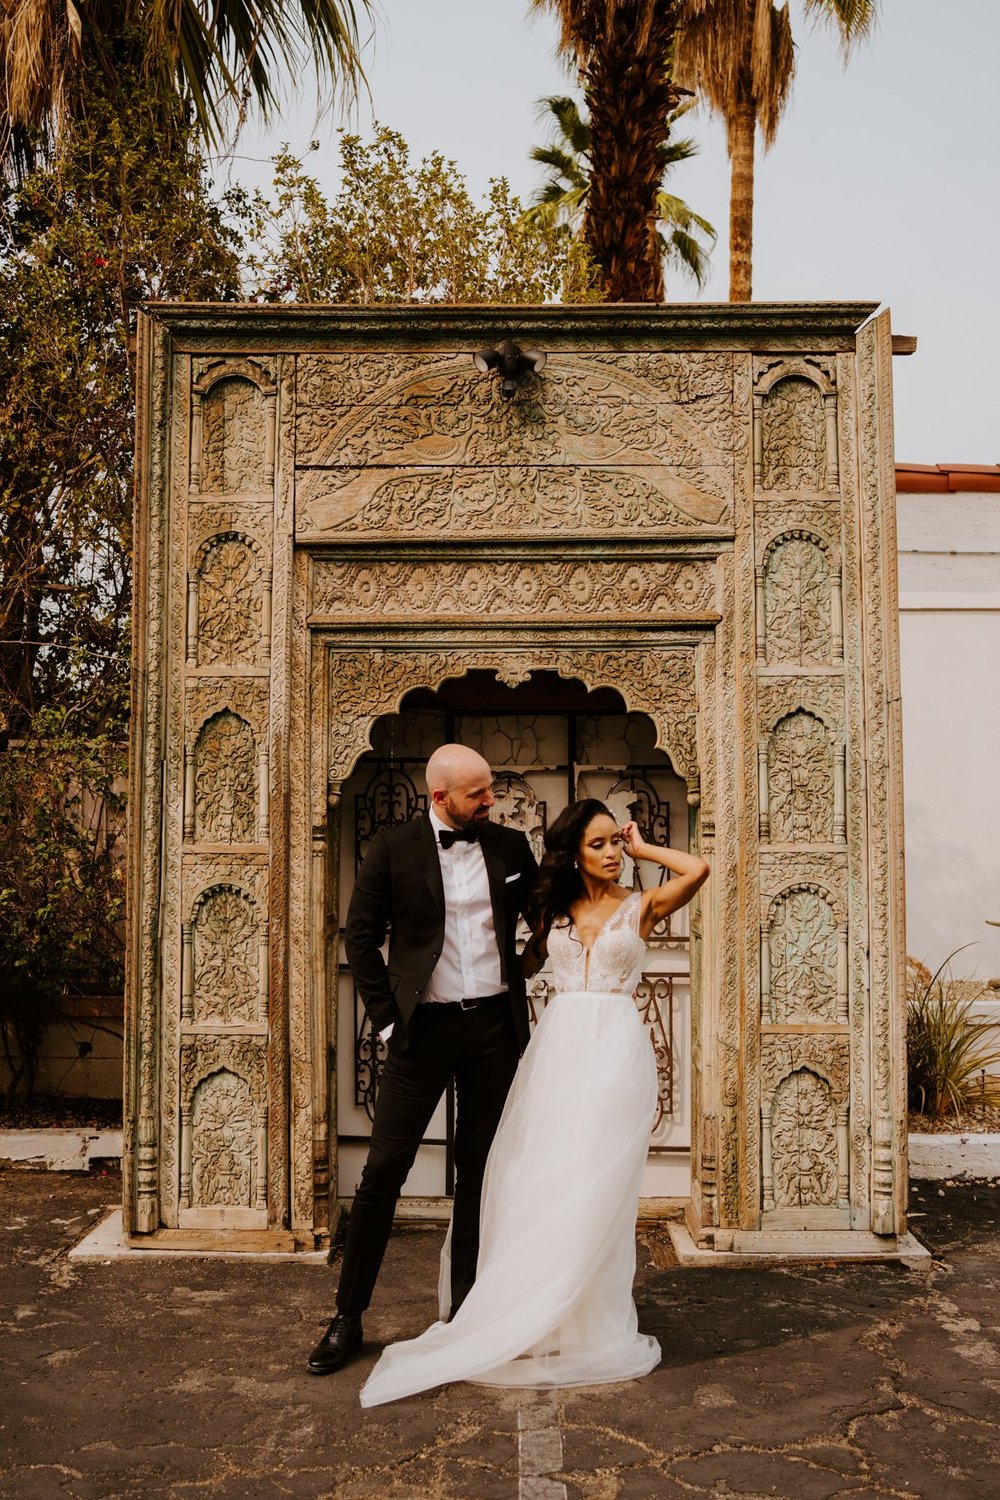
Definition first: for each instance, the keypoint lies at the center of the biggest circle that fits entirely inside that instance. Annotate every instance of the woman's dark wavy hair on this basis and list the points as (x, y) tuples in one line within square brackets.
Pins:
[(559, 884)]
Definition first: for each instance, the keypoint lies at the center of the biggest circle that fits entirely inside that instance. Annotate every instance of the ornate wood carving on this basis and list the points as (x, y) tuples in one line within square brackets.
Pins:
[(386, 590), (229, 604), (660, 682), (647, 425), (800, 781), (223, 1124), (795, 425), (796, 602), (228, 961), (225, 781), (805, 1122), (222, 1141), (519, 501), (803, 1129), (438, 410), (232, 422), (801, 958)]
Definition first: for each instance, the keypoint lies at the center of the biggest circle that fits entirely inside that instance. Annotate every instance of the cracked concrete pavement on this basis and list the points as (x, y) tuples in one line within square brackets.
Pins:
[(176, 1379)]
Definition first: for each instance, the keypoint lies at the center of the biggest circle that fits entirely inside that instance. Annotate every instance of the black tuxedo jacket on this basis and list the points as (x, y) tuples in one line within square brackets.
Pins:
[(399, 889)]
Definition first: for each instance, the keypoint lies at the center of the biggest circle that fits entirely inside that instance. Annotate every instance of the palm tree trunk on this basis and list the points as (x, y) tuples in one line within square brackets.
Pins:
[(629, 93), (742, 134)]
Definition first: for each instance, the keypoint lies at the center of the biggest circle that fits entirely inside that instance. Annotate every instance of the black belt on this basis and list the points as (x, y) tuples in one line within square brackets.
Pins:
[(482, 1000)]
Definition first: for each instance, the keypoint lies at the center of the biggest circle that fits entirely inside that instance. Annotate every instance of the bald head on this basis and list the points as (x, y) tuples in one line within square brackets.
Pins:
[(459, 782)]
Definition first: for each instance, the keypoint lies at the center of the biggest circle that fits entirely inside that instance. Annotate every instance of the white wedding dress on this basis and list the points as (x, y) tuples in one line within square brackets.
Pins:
[(552, 1303)]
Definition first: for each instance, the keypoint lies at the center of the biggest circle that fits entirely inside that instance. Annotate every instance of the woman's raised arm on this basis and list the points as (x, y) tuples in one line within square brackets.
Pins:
[(664, 899)]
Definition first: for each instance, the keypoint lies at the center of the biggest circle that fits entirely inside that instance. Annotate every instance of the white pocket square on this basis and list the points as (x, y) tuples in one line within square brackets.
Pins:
[(512, 877)]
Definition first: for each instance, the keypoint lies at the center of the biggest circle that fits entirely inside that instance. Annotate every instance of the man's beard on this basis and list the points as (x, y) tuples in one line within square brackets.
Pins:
[(467, 820)]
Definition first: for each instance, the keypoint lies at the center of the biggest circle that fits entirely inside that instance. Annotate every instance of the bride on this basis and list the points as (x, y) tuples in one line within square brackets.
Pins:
[(552, 1301)]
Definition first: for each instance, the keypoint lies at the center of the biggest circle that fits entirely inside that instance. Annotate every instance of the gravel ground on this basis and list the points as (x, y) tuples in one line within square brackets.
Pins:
[(174, 1380)]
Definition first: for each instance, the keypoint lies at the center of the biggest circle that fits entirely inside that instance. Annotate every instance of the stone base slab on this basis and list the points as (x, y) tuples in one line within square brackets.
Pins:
[(741, 1248), (72, 1150), (935, 1157), (108, 1241)]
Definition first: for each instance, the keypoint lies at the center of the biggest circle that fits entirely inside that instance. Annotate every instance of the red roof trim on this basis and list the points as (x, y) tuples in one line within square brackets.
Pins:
[(940, 479)]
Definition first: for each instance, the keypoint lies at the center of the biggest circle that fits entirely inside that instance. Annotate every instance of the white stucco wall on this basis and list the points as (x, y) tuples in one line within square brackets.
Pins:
[(949, 582)]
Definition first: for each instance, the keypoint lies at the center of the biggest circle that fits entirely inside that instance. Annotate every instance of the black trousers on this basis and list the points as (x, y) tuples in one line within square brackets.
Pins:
[(478, 1048)]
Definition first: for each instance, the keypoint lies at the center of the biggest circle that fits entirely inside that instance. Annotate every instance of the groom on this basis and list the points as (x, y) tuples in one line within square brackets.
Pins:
[(451, 1003)]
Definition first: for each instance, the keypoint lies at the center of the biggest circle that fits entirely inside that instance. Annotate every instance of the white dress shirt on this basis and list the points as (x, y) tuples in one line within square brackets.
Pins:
[(469, 966)]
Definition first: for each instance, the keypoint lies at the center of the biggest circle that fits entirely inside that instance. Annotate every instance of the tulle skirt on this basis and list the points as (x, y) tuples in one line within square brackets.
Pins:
[(552, 1302)]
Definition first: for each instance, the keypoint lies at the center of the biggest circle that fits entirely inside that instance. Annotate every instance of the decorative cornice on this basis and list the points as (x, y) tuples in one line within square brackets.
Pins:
[(299, 327)]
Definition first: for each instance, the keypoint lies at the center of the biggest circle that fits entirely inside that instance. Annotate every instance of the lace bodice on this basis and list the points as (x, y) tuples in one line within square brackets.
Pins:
[(615, 961)]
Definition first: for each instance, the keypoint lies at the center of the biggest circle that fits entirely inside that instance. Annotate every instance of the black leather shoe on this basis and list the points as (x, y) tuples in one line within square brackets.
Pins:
[(342, 1339)]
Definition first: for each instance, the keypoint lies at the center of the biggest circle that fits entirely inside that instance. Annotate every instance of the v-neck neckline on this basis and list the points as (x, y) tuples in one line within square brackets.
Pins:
[(609, 918)]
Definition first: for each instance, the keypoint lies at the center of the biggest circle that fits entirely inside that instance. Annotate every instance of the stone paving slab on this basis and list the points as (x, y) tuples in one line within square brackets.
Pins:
[(186, 1378)]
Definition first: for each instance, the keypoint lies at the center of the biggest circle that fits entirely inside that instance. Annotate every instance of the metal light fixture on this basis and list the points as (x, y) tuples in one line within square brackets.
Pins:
[(512, 361)]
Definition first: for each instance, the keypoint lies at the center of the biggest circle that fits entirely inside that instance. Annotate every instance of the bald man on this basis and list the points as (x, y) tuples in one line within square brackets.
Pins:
[(450, 1000)]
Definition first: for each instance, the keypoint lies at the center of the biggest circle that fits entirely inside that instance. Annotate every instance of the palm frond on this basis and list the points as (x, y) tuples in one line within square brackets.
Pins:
[(560, 162), (673, 210), (216, 56), (854, 19), (562, 196)]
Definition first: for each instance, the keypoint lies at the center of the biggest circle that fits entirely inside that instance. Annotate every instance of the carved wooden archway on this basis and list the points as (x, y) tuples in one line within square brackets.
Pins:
[(691, 506)]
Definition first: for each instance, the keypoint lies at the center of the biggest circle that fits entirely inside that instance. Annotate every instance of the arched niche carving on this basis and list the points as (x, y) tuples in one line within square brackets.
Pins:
[(229, 604), (232, 428), (223, 1145), (224, 961), (802, 793), (799, 601), (795, 427), (222, 791), (660, 684), (804, 1145), (803, 958)]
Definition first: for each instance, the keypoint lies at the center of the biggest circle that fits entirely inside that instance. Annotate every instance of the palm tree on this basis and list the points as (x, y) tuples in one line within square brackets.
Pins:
[(623, 51), (219, 54), (740, 55), (563, 196)]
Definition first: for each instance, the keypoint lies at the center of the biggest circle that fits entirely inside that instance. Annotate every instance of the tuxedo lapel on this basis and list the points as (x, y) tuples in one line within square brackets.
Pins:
[(430, 862)]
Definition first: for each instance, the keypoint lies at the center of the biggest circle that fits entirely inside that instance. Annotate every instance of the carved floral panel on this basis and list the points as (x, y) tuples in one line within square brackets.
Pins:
[(227, 962), (800, 781), (797, 603), (802, 944), (518, 589), (804, 1141), (225, 781), (229, 604), (222, 1142), (438, 409), (496, 501), (794, 436), (234, 437)]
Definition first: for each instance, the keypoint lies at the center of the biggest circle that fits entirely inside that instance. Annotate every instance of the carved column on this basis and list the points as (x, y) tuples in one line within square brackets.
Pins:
[(189, 769), (192, 619), (187, 972), (762, 791)]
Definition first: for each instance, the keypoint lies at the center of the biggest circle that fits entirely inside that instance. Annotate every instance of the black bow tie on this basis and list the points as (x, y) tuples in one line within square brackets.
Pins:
[(447, 837)]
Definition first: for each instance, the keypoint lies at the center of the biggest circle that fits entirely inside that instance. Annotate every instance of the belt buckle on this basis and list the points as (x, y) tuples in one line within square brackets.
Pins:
[(468, 1004)]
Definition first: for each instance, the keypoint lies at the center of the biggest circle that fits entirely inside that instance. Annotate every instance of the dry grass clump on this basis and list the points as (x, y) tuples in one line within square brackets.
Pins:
[(953, 1062)]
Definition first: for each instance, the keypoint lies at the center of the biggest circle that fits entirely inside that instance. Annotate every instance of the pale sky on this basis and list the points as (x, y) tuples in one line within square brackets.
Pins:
[(882, 186)]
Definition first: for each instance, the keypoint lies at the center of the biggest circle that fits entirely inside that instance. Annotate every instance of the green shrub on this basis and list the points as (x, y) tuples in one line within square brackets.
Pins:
[(951, 1058), (61, 882)]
